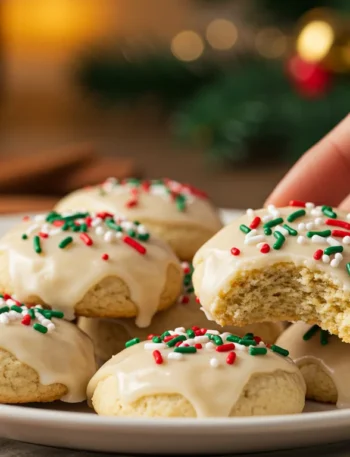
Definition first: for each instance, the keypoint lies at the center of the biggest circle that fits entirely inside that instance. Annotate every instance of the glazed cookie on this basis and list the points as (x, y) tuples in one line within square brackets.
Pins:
[(210, 375), (323, 360), (89, 265), (42, 357), (109, 335), (281, 264), (178, 213)]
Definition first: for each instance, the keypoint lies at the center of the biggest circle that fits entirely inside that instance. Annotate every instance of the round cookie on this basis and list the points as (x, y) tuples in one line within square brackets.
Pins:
[(323, 361), (279, 264), (109, 335), (211, 375), (42, 357), (89, 265), (177, 213)]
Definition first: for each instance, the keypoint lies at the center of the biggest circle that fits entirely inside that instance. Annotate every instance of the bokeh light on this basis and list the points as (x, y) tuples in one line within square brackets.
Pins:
[(271, 43), (315, 41), (221, 34), (187, 45)]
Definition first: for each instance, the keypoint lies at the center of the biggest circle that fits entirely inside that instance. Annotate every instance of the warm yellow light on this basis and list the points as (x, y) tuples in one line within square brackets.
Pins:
[(221, 34), (315, 41), (271, 43), (187, 45)]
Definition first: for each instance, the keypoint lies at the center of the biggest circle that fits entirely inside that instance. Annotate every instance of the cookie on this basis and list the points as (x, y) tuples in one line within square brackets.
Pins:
[(109, 335), (323, 361), (89, 265), (210, 375), (42, 357), (279, 264), (178, 213)]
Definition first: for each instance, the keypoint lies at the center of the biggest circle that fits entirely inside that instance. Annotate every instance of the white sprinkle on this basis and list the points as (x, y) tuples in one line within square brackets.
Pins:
[(310, 205), (318, 221), (180, 330), (39, 217), (45, 322), (141, 230), (210, 346), (99, 231), (282, 230), (51, 327), (301, 240), (118, 235), (251, 233), (333, 242), (317, 212), (4, 319), (326, 258), (260, 245), (152, 346), (240, 347), (250, 212), (346, 240), (38, 306), (267, 218), (271, 208), (213, 332), (108, 236), (31, 229), (13, 315), (24, 311), (338, 256), (310, 225), (335, 263), (348, 217), (254, 239), (318, 239), (55, 231), (96, 221), (2, 301), (301, 226), (214, 362), (189, 341), (127, 225), (262, 344), (225, 335), (201, 339), (276, 214), (10, 302), (175, 355)]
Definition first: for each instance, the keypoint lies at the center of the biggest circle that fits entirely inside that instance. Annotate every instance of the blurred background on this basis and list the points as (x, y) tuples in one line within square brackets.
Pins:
[(223, 94)]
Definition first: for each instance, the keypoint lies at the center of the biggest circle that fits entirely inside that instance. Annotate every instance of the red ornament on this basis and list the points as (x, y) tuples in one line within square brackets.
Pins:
[(310, 79)]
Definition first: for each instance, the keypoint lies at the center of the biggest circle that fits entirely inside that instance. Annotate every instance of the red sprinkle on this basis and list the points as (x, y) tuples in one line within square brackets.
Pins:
[(198, 332), (149, 337), (297, 203), (257, 339), (145, 186), (158, 357), (185, 299), (265, 248), (198, 346), (255, 222), (235, 251), (337, 223), (198, 300), (26, 320), (318, 254), (104, 214), (88, 221), (134, 244), (225, 347), (194, 328), (58, 223), (7, 296), (340, 233), (178, 344), (25, 218), (131, 203), (231, 357), (203, 331), (105, 256), (86, 239), (169, 337), (43, 235), (186, 270)]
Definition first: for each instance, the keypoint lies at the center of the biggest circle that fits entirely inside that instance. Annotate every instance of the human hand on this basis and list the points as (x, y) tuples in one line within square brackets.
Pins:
[(322, 174)]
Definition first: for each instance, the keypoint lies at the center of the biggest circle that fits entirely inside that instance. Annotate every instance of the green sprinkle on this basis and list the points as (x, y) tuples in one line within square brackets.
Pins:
[(180, 203), (290, 230), (296, 215), (348, 268), (156, 339), (163, 335), (328, 211), (16, 308), (190, 290), (65, 226), (143, 236), (58, 314), (31, 313), (333, 250), (279, 350), (233, 339), (247, 342), (4, 309), (267, 231), (280, 240), (132, 342), (134, 181), (243, 228), (52, 216), (310, 333), (175, 340), (218, 340), (190, 333), (40, 328), (47, 313), (185, 349), (36, 243), (132, 233), (324, 337), (323, 233), (65, 242), (40, 311), (83, 227), (76, 228), (249, 336), (24, 236), (72, 217), (137, 223), (273, 223), (112, 225), (187, 280), (257, 351)]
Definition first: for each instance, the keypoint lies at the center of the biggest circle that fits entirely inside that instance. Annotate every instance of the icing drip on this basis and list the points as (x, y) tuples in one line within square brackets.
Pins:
[(60, 257)]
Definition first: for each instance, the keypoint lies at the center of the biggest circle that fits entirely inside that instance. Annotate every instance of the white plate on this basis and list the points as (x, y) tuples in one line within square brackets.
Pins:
[(76, 426)]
